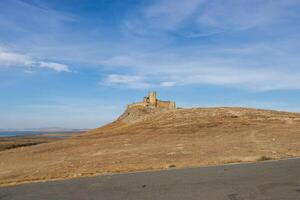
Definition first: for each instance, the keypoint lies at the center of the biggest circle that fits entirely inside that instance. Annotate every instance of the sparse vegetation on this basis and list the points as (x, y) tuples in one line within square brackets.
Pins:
[(158, 140), (264, 158), (18, 141), (13, 142)]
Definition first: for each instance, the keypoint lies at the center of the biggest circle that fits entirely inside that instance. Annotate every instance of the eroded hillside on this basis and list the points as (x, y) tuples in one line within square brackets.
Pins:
[(146, 140)]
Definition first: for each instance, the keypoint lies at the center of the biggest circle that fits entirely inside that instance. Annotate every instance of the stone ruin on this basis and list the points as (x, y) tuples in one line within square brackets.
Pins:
[(150, 105), (151, 101)]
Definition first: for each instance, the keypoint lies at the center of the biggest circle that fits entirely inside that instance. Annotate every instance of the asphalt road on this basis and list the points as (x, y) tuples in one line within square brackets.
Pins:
[(274, 180)]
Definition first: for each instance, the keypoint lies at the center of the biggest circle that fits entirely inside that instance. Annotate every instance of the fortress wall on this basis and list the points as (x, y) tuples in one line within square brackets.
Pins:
[(172, 105), (151, 101), (136, 104), (165, 104)]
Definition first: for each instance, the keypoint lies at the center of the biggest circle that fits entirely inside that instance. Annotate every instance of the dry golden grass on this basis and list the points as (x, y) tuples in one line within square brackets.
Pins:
[(173, 138), (17, 142)]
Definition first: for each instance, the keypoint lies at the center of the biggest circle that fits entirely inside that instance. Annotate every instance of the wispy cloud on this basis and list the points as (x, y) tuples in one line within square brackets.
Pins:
[(55, 66), (12, 59), (131, 81), (242, 14), (218, 47), (223, 66), (202, 18), (169, 14), (260, 80), (37, 28), (162, 15), (167, 83), (31, 16), (237, 58)]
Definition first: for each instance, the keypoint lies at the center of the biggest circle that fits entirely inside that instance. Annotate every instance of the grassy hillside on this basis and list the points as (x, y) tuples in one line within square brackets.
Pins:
[(146, 140)]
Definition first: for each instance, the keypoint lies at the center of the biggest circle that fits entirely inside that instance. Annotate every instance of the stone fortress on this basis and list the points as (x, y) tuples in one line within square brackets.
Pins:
[(151, 101)]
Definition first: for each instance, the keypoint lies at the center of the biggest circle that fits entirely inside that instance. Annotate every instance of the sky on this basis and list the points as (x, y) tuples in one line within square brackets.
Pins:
[(78, 63)]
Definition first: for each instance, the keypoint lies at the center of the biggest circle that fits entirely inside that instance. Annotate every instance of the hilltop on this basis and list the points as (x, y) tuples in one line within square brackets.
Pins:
[(145, 138)]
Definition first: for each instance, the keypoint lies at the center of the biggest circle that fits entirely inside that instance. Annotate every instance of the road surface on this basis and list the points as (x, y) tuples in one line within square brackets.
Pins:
[(274, 180)]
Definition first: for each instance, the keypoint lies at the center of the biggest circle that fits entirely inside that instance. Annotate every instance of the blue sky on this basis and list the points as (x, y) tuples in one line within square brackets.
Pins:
[(77, 63)]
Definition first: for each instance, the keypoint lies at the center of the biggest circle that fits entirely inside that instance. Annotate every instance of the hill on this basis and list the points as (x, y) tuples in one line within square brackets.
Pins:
[(147, 139)]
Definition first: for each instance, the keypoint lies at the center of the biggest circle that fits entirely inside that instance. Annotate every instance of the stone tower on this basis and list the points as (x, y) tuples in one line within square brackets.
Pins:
[(152, 98)]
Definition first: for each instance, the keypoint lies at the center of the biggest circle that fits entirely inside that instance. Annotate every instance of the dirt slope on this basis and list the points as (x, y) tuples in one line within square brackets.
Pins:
[(144, 140)]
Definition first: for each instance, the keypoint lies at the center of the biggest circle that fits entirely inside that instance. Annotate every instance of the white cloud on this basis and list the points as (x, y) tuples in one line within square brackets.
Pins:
[(12, 59), (258, 79), (123, 79), (168, 84), (224, 66), (55, 66), (131, 81)]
